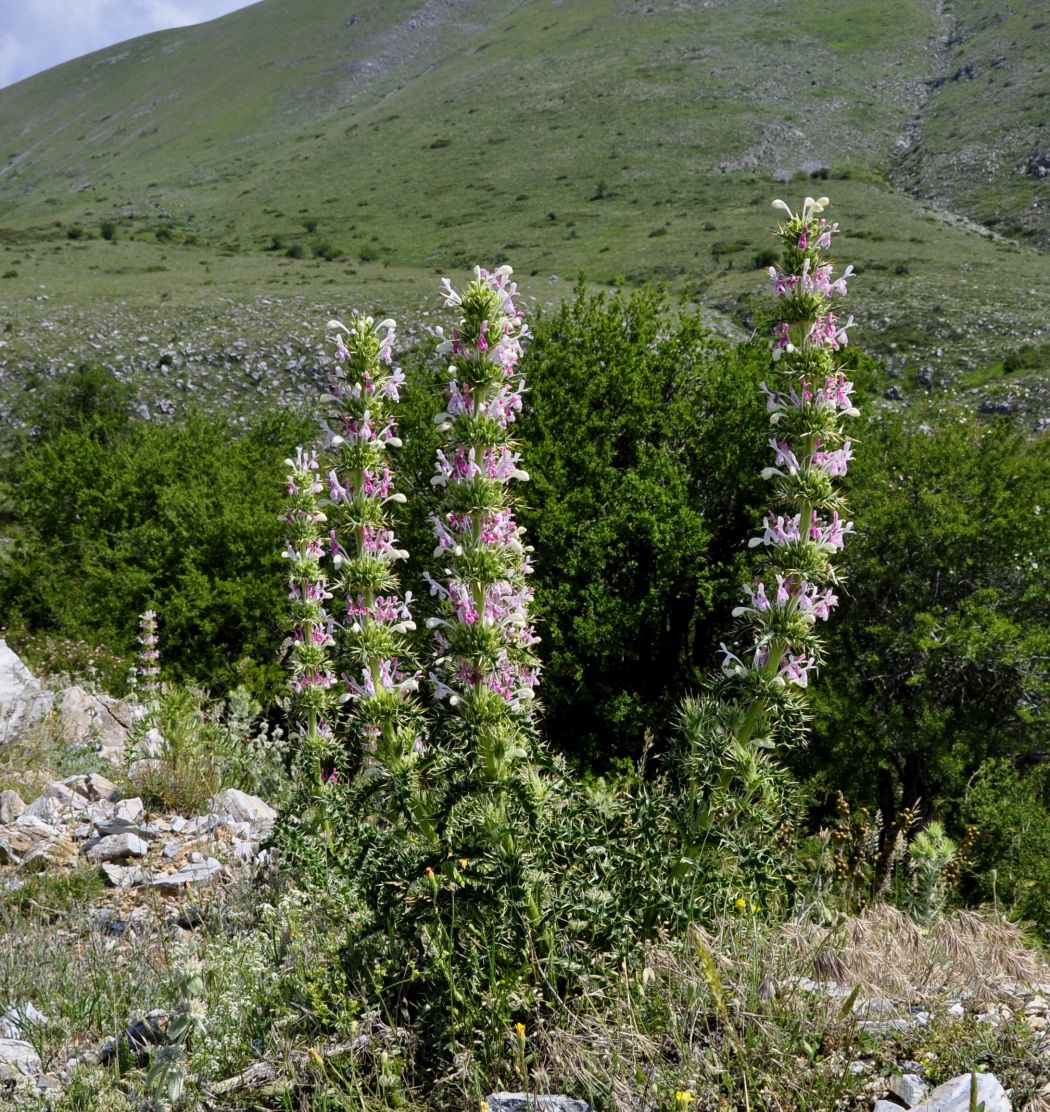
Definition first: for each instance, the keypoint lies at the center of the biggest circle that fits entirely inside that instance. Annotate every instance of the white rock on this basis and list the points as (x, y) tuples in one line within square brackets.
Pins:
[(15, 1022), (242, 807), (151, 745), (87, 719), (93, 786), (910, 1087), (534, 1102), (21, 1055), (45, 809), (55, 800), (204, 873), (51, 852), (118, 847), (124, 876), (11, 806), (954, 1095), (171, 849), (129, 809), (18, 838), (22, 700)]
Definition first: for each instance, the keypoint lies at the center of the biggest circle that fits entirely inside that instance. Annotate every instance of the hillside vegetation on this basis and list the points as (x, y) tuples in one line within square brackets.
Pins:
[(300, 148)]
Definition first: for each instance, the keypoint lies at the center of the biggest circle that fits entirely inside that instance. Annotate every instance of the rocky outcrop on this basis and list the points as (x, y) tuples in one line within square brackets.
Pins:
[(22, 700)]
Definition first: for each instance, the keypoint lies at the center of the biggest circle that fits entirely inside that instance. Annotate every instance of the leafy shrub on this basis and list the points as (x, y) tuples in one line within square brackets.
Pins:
[(1010, 808), (206, 747), (644, 443), (180, 518), (934, 665)]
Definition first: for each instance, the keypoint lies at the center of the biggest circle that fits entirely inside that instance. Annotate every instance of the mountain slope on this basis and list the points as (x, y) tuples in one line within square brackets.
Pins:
[(641, 140), (982, 139)]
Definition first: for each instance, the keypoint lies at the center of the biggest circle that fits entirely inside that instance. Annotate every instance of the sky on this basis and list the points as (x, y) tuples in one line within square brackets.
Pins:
[(38, 34)]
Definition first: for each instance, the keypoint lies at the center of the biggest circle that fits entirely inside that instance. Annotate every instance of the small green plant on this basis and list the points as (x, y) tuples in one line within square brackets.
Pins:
[(169, 1065)]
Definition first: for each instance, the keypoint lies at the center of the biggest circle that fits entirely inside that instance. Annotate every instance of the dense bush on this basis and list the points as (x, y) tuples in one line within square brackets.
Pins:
[(113, 516), (643, 438), (937, 660)]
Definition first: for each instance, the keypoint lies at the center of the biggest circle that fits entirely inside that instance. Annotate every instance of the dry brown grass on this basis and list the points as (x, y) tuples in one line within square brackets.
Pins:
[(663, 1026), (884, 952)]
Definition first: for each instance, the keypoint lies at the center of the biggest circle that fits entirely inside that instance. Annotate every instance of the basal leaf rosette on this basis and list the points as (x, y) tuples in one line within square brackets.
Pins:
[(485, 665), (379, 677), (801, 536)]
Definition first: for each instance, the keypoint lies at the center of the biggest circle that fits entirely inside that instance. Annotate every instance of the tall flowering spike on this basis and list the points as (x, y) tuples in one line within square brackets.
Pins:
[(379, 678), (312, 679), (485, 665), (149, 656), (808, 411)]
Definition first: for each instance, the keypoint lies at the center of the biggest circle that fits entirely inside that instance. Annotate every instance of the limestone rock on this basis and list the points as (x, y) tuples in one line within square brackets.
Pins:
[(954, 1095), (529, 1102), (87, 719), (909, 1087), (19, 837), (242, 807), (21, 1055), (15, 1022), (124, 876), (54, 801), (195, 874), (93, 787), (51, 853), (11, 806), (118, 847), (22, 700)]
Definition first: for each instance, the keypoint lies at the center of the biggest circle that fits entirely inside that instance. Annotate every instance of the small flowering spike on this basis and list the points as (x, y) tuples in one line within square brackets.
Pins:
[(149, 657)]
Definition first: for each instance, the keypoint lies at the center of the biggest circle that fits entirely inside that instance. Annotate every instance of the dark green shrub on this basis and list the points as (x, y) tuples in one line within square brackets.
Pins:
[(936, 658), (108, 230), (644, 437), (116, 516), (1010, 806)]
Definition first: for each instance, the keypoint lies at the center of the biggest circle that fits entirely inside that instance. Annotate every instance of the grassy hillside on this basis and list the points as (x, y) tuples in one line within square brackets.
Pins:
[(640, 141)]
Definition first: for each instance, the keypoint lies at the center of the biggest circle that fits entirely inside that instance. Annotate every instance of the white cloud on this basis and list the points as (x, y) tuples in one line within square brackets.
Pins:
[(38, 34)]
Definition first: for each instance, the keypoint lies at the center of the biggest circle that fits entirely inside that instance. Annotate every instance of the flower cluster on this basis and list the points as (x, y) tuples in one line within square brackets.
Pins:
[(484, 635), (379, 680), (312, 678), (149, 656), (807, 411)]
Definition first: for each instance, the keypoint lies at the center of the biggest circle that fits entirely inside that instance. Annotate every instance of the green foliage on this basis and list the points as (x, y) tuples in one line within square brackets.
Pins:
[(116, 516), (206, 747), (936, 661), (644, 440), (1010, 807)]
